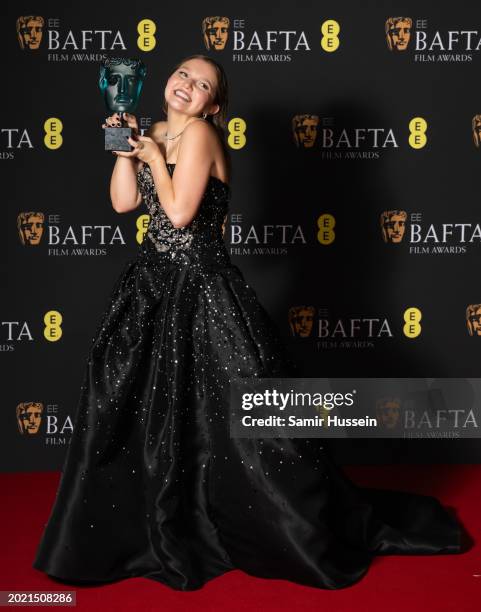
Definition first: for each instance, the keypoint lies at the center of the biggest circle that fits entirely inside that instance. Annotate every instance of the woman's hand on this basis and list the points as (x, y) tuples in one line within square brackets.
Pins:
[(131, 123), (112, 121), (145, 149), (115, 121)]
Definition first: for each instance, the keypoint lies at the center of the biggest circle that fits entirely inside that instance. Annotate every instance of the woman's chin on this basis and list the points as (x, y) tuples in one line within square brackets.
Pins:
[(181, 108)]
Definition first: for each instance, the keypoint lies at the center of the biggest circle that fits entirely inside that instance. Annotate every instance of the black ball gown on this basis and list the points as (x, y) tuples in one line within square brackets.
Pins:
[(152, 483)]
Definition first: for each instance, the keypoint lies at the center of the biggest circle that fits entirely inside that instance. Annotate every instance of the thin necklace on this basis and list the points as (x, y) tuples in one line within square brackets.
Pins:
[(172, 137)]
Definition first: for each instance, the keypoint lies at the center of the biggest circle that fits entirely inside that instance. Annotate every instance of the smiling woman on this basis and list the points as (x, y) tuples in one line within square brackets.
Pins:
[(153, 484), (195, 87)]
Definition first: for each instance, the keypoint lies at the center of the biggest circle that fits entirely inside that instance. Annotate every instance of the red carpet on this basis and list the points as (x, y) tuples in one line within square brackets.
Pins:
[(408, 584)]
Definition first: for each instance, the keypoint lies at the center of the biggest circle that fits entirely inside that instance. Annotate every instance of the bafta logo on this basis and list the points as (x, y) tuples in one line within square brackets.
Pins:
[(29, 31), (301, 319), (215, 31), (473, 319), (30, 227), (398, 33), (476, 129), (393, 225), (388, 412), (304, 130), (29, 417)]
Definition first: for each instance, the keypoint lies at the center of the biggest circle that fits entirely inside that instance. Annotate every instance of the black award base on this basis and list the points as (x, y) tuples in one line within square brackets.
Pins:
[(116, 139)]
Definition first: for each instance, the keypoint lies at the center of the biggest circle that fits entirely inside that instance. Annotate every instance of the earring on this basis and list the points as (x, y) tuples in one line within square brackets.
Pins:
[(204, 115)]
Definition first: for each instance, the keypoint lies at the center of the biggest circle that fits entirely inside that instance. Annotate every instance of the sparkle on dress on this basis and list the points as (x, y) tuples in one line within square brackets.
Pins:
[(206, 226), (153, 485)]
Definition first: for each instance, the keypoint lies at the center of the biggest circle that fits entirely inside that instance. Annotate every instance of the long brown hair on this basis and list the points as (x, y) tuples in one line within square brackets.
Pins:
[(219, 120)]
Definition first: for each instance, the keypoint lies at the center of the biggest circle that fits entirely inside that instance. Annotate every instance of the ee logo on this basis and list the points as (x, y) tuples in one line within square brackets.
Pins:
[(237, 137), (53, 133), (412, 325), (417, 132), (53, 321), (146, 40), (326, 234), (330, 35)]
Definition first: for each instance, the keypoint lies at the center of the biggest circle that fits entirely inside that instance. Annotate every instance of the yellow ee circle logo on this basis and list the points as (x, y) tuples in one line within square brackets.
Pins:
[(326, 234), (330, 35), (236, 128), (412, 318), (417, 129), (142, 224), (53, 133), (146, 40), (53, 321)]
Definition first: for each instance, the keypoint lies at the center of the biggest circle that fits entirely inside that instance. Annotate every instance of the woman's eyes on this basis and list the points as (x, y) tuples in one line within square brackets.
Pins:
[(184, 72)]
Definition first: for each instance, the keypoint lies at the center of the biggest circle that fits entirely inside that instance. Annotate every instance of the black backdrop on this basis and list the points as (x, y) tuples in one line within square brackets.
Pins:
[(361, 88)]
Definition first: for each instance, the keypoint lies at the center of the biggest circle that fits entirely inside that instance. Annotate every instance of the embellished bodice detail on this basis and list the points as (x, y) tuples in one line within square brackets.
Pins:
[(203, 229)]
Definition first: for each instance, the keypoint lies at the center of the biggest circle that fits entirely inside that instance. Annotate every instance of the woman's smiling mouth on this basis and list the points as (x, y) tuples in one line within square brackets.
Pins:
[(182, 95)]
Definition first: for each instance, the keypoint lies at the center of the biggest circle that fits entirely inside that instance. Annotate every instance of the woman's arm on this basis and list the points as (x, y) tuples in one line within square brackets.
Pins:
[(181, 195), (124, 191)]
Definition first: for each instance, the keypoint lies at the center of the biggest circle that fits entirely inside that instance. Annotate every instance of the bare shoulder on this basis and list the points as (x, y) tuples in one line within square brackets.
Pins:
[(204, 134), (204, 131), (156, 130), (202, 128)]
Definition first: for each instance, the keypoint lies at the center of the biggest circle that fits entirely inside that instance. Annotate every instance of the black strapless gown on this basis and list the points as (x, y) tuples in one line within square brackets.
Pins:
[(152, 483)]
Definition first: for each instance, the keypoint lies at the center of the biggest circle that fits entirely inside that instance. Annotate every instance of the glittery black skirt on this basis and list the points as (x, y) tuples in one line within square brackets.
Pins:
[(154, 486)]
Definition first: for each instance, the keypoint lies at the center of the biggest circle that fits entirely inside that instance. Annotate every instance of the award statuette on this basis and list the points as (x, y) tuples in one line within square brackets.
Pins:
[(120, 82)]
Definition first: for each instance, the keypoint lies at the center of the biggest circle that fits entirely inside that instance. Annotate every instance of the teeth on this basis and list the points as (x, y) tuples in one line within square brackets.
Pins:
[(182, 95)]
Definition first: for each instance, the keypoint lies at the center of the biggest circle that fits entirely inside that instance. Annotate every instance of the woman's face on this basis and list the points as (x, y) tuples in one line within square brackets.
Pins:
[(191, 88)]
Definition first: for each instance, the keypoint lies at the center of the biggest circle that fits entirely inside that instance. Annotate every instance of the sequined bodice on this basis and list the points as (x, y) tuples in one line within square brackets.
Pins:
[(202, 231)]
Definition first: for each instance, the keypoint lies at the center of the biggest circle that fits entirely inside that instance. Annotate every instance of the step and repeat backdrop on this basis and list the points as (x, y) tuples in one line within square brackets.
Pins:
[(355, 136)]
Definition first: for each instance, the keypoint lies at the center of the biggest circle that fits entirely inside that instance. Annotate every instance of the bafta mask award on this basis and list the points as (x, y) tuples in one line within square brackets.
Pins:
[(120, 82)]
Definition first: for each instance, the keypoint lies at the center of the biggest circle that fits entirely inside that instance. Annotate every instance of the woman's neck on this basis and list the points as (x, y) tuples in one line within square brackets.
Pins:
[(176, 122)]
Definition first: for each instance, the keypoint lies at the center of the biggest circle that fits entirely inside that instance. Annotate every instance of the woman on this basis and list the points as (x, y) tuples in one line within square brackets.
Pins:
[(152, 484)]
